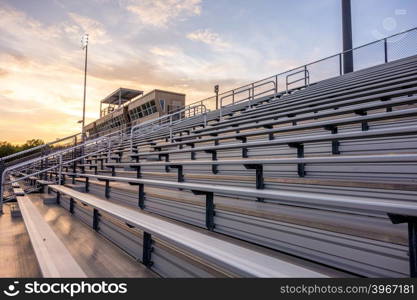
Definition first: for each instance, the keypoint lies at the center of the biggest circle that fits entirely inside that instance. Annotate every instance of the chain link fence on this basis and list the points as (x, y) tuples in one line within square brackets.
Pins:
[(398, 46)]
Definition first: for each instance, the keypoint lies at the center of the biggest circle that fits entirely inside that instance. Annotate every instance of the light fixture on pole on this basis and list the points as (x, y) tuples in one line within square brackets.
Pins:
[(84, 46)]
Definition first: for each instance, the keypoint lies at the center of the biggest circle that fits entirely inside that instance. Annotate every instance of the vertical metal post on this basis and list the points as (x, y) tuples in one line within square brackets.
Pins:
[(147, 249), (305, 75), (253, 94), (386, 50), (2, 169), (210, 211), (60, 170), (205, 119), (141, 199), (347, 36), (170, 129), (109, 150), (221, 112), (42, 167), (107, 189), (216, 90), (340, 64), (85, 85), (276, 84), (96, 219)]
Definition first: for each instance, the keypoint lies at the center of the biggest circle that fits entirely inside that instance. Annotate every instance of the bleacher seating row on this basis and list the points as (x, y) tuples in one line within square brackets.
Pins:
[(326, 173)]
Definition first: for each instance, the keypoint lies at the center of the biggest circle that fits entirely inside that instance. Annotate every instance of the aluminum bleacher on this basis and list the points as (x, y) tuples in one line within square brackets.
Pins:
[(317, 181)]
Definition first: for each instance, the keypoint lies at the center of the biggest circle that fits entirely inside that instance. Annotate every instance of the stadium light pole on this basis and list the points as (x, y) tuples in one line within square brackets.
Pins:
[(84, 46), (347, 36)]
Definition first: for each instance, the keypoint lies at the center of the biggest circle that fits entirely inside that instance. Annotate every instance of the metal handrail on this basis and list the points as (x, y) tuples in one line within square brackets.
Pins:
[(251, 95), (340, 54), (306, 78), (51, 155), (53, 167), (106, 139), (169, 121), (37, 147)]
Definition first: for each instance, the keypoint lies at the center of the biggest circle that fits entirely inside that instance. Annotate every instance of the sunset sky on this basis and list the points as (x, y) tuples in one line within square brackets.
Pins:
[(181, 45)]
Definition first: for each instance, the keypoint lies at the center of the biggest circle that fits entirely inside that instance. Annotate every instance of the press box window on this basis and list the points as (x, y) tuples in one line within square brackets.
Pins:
[(162, 103)]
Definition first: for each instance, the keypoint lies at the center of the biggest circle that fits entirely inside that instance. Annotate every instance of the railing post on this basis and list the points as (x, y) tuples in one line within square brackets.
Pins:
[(276, 85), (305, 75), (131, 138), (386, 50), (60, 170), (216, 90), (170, 129), (286, 83), (108, 149), (253, 93), (221, 109), (2, 169)]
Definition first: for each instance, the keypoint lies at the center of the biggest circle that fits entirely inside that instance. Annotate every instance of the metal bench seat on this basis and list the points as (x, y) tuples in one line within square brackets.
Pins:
[(284, 119), (296, 111), (354, 135), (235, 259), (328, 103), (334, 123), (399, 211), (346, 241), (53, 257)]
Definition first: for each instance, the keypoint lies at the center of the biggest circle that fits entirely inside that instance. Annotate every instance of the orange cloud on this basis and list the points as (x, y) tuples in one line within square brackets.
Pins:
[(41, 84)]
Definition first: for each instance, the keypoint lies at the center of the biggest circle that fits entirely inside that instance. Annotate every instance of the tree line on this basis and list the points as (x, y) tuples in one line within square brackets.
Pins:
[(7, 148)]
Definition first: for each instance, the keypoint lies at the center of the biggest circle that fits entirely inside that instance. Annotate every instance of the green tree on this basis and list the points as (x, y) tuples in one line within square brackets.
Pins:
[(7, 148), (31, 144)]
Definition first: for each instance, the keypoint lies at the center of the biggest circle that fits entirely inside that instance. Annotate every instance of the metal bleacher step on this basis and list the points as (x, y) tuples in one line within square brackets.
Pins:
[(159, 201), (301, 183), (364, 250), (235, 260), (54, 259)]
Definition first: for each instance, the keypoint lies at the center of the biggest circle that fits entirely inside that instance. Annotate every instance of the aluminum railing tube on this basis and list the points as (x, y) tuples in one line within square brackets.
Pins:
[(58, 154), (251, 94), (170, 120)]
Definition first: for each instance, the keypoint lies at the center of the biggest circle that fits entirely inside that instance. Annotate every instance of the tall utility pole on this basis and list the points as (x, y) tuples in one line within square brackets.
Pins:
[(84, 46), (347, 36)]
